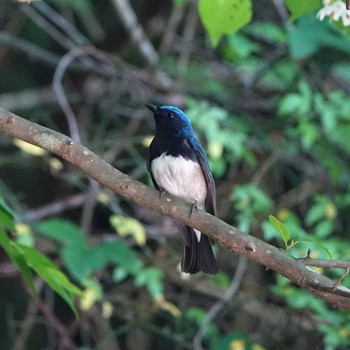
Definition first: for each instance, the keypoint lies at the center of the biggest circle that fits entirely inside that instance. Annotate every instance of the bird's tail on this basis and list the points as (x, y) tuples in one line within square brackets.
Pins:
[(197, 256)]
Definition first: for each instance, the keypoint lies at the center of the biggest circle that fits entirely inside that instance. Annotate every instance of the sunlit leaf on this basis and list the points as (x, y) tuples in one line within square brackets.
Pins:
[(91, 294), (24, 235), (55, 164), (103, 198), (29, 148), (281, 228), (129, 227), (107, 309), (166, 305), (215, 150), (147, 141), (224, 17), (300, 8)]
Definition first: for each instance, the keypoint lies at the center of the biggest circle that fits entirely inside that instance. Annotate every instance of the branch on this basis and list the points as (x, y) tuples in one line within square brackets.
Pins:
[(326, 264), (218, 306), (224, 234), (130, 21)]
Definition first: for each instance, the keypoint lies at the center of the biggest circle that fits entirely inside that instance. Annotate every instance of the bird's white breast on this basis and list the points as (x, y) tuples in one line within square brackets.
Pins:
[(180, 177)]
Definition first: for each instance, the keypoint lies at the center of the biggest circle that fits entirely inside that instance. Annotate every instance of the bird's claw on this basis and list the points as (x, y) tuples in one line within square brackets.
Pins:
[(162, 192), (193, 205)]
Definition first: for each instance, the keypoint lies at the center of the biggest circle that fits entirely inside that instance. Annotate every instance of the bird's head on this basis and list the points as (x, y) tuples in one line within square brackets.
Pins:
[(171, 120)]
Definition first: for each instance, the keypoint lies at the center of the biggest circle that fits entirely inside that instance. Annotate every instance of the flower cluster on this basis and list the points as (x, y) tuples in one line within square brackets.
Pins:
[(335, 10)]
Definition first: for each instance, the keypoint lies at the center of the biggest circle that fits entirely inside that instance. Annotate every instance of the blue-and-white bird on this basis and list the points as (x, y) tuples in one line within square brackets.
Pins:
[(179, 166)]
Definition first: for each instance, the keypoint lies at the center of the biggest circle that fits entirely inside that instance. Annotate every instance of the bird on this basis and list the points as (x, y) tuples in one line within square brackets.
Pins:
[(178, 165)]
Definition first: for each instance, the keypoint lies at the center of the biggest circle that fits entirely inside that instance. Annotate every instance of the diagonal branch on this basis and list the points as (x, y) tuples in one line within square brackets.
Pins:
[(224, 234), (130, 21)]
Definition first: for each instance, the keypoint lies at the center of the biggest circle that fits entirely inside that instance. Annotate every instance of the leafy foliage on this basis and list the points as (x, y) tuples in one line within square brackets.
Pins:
[(28, 260), (224, 17), (82, 261), (299, 9)]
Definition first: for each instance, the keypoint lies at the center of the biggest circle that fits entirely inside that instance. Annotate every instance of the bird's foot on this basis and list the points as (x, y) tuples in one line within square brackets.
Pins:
[(193, 205), (162, 192)]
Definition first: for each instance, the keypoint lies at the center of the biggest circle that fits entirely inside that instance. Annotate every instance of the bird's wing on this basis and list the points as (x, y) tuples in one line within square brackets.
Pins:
[(210, 201), (150, 171)]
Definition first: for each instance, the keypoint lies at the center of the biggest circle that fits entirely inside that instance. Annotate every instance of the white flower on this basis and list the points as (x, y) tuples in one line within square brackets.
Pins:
[(335, 10)]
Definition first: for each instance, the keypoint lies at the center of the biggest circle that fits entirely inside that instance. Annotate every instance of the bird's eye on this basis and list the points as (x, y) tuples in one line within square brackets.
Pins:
[(171, 115)]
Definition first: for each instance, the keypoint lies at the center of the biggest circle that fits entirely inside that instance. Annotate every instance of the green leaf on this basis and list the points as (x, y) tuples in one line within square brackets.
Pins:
[(309, 35), (49, 272), (238, 47), (221, 279), (281, 228), (27, 258), (125, 226), (62, 231), (290, 104), (268, 32), (6, 216), (224, 17), (324, 228), (82, 261), (17, 258), (120, 253), (317, 211), (299, 8), (151, 278)]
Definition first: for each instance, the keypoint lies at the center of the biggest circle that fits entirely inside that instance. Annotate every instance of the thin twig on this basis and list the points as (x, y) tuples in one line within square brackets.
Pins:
[(12, 25), (326, 264), (337, 283), (63, 65), (55, 207), (266, 165), (61, 96), (33, 51), (45, 25), (217, 307), (170, 30), (281, 9), (189, 33), (299, 194), (26, 327), (27, 99), (39, 54), (88, 210), (65, 337), (59, 21), (132, 25)]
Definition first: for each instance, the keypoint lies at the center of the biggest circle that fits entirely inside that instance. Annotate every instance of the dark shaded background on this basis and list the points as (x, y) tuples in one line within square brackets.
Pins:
[(270, 106)]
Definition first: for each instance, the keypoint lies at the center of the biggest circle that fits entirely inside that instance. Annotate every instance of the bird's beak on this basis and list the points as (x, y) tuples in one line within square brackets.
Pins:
[(152, 108)]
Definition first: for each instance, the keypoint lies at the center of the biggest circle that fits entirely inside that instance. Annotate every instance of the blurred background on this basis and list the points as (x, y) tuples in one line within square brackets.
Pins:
[(270, 106)]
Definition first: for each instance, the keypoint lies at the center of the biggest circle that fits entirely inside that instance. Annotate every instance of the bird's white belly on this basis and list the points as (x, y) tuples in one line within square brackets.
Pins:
[(180, 177)]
